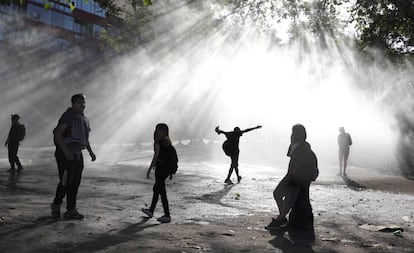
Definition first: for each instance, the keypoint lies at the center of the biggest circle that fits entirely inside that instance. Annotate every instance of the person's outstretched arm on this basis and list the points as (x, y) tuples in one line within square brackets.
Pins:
[(250, 129), (218, 131), (154, 158)]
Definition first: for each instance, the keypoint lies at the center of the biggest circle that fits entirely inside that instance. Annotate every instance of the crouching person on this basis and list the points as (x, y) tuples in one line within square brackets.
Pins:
[(292, 193)]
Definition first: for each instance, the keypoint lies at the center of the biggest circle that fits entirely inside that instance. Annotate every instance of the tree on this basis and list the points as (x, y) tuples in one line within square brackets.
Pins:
[(387, 25), (129, 24)]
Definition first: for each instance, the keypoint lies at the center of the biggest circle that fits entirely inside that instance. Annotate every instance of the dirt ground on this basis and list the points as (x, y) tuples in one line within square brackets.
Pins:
[(207, 216)]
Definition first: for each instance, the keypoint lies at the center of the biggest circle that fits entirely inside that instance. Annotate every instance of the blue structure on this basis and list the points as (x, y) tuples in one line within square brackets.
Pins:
[(63, 27)]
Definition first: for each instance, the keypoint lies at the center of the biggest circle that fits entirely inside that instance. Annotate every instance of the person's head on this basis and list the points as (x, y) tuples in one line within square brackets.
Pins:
[(14, 117), (161, 132), (298, 134), (78, 102), (237, 129), (342, 130)]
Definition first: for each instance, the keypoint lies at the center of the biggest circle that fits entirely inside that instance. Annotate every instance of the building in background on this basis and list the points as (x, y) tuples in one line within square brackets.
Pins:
[(59, 28)]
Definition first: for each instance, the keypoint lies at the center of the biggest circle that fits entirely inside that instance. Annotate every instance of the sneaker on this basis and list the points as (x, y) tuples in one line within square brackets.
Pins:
[(147, 212), (20, 169), (164, 219), (276, 223), (239, 178), (55, 210), (228, 181), (72, 215), (11, 170)]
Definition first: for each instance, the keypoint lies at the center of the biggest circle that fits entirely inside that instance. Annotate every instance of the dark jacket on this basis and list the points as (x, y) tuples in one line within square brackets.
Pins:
[(15, 133), (78, 127), (303, 165)]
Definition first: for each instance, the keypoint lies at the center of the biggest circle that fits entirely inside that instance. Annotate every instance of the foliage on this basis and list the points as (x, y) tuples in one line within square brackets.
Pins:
[(319, 17), (130, 25), (386, 24)]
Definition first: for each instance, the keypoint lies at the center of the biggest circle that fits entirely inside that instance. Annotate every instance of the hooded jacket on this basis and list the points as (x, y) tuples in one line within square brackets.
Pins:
[(303, 164)]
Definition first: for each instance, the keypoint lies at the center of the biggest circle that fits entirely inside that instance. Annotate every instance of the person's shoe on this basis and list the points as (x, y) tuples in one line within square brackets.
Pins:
[(239, 178), (20, 169), (228, 181), (164, 219), (11, 170), (55, 210), (276, 223), (147, 212), (73, 215)]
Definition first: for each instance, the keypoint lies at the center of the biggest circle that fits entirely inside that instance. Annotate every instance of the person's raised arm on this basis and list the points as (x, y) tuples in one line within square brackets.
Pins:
[(58, 133), (154, 158), (218, 131), (250, 129)]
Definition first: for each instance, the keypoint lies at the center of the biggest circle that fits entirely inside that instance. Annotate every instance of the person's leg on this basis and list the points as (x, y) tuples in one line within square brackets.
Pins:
[(231, 168), (156, 190), (154, 201), (279, 195), (301, 215), (230, 172), (235, 163), (346, 154), (291, 195), (74, 180), (11, 153), (341, 161), (284, 202), (62, 163), (16, 159), (160, 177), (165, 205), (164, 199)]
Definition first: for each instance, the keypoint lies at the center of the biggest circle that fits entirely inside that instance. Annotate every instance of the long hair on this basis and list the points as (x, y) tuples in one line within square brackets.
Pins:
[(163, 130)]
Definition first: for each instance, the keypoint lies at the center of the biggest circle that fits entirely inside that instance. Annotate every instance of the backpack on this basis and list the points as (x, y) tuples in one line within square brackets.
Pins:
[(227, 148), (21, 132), (309, 172), (171, 160), (349, 140)]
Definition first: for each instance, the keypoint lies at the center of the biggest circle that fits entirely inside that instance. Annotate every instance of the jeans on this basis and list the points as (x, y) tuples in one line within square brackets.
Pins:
[(70, 173)]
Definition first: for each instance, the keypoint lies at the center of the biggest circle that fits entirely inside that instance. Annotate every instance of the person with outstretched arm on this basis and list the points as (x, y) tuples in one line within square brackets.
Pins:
[(231, 149)]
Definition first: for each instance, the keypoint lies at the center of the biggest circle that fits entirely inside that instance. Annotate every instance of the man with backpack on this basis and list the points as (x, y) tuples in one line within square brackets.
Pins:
[(16, 135), (344, 141), (231, 148), (71, 136)]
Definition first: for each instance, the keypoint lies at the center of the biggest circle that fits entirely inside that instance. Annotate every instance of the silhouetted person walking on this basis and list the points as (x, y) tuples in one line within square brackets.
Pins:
[(344, 141), (71, 135), (292, 192), (165, 163), (231, 148), (16, 135)]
